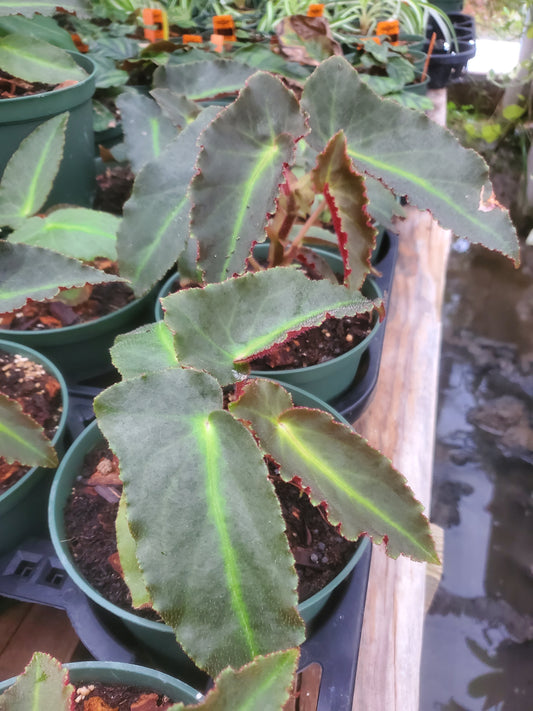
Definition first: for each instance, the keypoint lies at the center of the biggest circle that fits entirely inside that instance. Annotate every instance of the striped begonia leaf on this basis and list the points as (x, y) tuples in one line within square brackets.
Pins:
[(73, 231), (409, 153), (240, 170), (180, 110), (203, 80), (155, 226), (34, 60), (146, 350), (345, 194), (146, 130), (262, 685), (363, 491), (208, 527), (221, 326), (43, 7), (29, 174), (44, 28), (42, 686), (22, 439), (34, 273)]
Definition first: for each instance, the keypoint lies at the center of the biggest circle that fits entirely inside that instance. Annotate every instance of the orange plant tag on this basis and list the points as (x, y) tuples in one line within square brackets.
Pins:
[(391, 28), (315, 10), (157, 17), (189, 39), (224, 25)]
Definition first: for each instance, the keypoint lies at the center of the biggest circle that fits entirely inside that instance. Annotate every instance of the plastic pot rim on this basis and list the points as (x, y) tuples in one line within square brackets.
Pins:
[(32, 354)]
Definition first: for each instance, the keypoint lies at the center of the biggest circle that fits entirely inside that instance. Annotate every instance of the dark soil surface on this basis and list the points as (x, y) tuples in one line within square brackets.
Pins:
[(113, 188), (320, 552), (104, 299), (117, 697), (12, 87), (39, 395)]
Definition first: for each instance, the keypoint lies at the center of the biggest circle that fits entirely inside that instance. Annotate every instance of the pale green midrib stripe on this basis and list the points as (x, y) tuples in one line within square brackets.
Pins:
[(319, 464), (20, 440), (422, 183), (217, 514), (28, 206), (267, 158), (49, 226), (158, 237), (258, 693), (48, 64), (267, 340), (166, 343), (156, 148), (46, 287)]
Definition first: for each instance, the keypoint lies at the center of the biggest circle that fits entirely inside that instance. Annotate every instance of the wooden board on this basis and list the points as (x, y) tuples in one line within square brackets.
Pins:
[(400, 422)]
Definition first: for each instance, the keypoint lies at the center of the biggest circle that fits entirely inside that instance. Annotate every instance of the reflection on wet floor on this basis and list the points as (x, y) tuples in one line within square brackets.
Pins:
[(478, 644)]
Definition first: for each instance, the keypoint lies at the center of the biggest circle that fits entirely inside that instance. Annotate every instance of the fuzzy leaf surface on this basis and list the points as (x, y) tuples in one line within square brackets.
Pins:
[(42, 686), (148, 349), (418, 158), (383, 205), (201, 545), (22, 439), (364, 493), (263, 684), (180, 110), (146, 130), (155, 225), (29, 174), (203, 80), (240, 169), (223, 325), (345, 194), (35, 273), (43, 7), (73, 231), (37, 61), (126, 547)]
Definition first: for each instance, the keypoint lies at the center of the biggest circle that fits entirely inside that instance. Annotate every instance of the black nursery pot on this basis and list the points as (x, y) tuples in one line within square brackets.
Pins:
[(446, 65)]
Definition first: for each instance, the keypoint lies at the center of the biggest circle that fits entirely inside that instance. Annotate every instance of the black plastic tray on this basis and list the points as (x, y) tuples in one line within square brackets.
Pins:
[(33, 573)]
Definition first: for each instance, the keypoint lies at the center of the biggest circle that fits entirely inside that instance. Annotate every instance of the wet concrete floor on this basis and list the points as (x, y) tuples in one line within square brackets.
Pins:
[(478, 643)]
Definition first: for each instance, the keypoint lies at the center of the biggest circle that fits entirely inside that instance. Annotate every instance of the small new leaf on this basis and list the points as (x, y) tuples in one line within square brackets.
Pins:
[(22, 439)]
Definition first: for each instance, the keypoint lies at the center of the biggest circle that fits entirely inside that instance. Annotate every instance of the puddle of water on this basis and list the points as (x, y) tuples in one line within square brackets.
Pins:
[(478, 637)]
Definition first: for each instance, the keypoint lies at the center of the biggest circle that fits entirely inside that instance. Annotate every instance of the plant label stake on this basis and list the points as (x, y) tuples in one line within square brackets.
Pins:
[(190, 39), (315, 10), (158, 19), (223, 31)]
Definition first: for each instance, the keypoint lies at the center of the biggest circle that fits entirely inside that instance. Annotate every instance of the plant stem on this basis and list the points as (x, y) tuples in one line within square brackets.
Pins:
[(301, 234)]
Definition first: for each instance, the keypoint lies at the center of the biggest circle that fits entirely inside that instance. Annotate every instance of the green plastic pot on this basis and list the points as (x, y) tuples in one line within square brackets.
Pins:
[(157, 636), (419, 87), (129, 674), (82, 351), (23, 506), (325, 380), (74, 183)]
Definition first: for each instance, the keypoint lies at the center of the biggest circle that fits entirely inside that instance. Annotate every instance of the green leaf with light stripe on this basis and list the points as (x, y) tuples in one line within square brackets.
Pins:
[(409, 153), (41, 687), (155, 226), (263, 685), (44, 28), (198, 509), (363, 491), (37, 61), (146, 350), (35, 273), (147, 131), (126, 547), (203, 80), (221, 326), (22, 439), (29, 175), (74, 231), (240, 169)]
